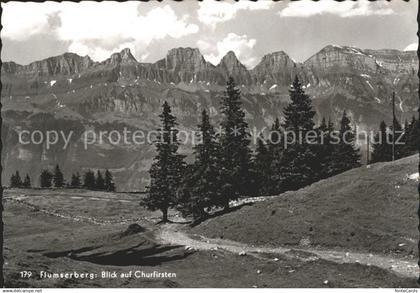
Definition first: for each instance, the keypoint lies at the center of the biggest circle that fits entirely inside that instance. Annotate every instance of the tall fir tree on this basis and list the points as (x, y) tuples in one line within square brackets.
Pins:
[(382, 145), (299, 162), (325, 148), (99, 181), (46, 178), (12, 183), (16, 180), (399, 138), (58, 178), (235, 154), (275, 148), (89, 180), (200, 188), (346, 154), (413, 136), (27, 182), (168, 167), (109, 181), (75, 180), (261, 167), (404, 139)]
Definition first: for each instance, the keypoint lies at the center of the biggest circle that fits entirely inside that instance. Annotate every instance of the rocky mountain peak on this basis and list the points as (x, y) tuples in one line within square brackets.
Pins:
[(124, 57), (10, 67), (276, 61), (65, 64), (346, 58), (127, 56), (231, 63), (184, 59), (231, 66), (230, 57), (275, 68)]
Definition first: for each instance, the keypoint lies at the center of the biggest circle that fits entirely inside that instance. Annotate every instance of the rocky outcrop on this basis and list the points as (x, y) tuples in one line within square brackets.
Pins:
[(340, 59), (396, 61), (184, 60), (186, 65), (124, 57), (230, 66), (66, 64), (275, 68)]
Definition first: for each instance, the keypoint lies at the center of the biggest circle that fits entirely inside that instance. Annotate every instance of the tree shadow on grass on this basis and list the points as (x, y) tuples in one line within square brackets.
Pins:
[(151, 255), (219, 213)]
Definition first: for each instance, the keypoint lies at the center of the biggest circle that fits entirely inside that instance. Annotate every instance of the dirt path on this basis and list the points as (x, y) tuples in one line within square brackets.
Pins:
[(174, 234)]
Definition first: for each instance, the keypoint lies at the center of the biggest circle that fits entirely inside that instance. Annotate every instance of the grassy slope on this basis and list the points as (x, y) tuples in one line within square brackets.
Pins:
[(36, 241), (368, 209)]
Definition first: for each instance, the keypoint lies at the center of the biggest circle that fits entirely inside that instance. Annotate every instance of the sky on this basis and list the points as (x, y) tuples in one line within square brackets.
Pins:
[(34, 31)]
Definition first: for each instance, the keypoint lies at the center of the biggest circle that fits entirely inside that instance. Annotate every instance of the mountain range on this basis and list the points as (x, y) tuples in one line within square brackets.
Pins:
[(72, 92)]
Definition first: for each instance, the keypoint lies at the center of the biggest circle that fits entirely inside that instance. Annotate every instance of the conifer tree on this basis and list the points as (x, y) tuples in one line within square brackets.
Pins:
[(99, 181), (187, 202), (299, 163), (299, 113), (235, 155), (89, 180), (58, 178), (275, 155), (399, 140), (168, 166), (261, 165), (346, 155), (27, 182), (325, 149), (12, 183), (382, 145), (16, 180), (109, 181), (403, 147), (46, 179), (75, 180), (413, 136), (200, 187)]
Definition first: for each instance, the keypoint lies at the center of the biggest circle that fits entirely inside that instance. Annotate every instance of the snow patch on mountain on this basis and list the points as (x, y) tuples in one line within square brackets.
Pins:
[(367, 81), (414, 176), (400, 104)]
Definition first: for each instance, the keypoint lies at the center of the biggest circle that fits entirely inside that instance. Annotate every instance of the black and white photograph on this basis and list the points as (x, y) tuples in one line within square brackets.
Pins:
[(209, 144)]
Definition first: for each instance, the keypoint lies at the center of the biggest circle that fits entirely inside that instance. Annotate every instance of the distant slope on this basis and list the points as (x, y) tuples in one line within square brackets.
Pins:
[(368, 209)]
